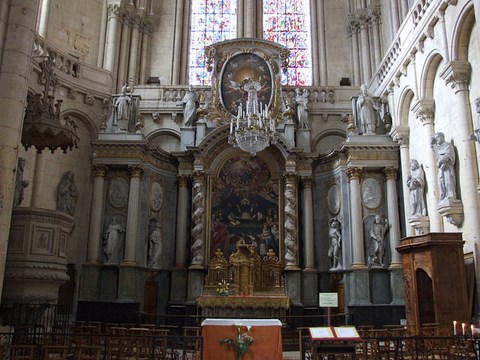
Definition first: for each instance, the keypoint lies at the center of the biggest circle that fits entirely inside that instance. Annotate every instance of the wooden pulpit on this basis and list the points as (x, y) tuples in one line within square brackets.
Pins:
[(435, 282)]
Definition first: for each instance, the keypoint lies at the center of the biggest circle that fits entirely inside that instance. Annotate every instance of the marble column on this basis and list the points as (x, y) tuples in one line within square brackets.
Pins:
[(14, 79), (307, 202), (424, 110), (457, 74), (358, 247), (177, 45), (96, 215), (400, 134), (291, 233), (198, 221), (182, 222), (393, 217), (113, 25), (132, 216)]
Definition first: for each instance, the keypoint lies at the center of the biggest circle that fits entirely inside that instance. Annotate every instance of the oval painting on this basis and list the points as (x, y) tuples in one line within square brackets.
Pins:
[(236, 72)]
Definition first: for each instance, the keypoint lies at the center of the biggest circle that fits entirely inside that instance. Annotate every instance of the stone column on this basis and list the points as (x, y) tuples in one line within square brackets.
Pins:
[(393, 218), (424, 110), (457, 74), (307, 202), (103, 32), (394, 16), (375, 15), (353, 35), (358, 247), (177, 45), (123, 55), (134, 47), (113, 25), (39, 176), (14, 79), (142, 79), (198, 221), (43, 21), (240, 22), (250, 18), (365, 49), (182, 223), (96, 215), (401, 136), (132, 216), (322, 43), (291, 234), (443, 32)]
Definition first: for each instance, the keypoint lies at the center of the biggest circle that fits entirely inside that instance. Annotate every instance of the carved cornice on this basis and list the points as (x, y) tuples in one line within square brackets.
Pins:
[(23, 214), (36, 271)]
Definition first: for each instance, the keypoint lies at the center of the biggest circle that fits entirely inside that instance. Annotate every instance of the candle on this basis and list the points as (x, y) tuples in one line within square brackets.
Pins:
[(454, 328), (471, 329), (463, 329)]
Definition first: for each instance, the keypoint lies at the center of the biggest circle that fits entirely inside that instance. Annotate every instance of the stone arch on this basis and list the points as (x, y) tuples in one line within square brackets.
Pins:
[(427, 76), (462, 32), (404, 106), (328, 137), (84, 118), (166, 139)]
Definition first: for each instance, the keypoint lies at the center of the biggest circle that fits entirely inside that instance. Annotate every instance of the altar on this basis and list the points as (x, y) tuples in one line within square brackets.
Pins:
[(244, 286), (266, 335)]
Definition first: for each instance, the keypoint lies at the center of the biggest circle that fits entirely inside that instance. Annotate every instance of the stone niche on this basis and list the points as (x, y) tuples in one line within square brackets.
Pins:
[(37, 255)]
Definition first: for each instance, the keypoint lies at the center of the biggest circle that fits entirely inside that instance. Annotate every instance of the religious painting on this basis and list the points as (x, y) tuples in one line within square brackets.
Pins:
[(239, 71), (244, 207)]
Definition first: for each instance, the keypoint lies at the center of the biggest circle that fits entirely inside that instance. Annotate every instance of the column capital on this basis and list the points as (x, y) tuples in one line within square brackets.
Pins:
[(457, 74), (424, 109), (290, 176), (135, 171), (354, 173), (400, 134), (306, 182), (390, 173), (99, 170), (182, 180)]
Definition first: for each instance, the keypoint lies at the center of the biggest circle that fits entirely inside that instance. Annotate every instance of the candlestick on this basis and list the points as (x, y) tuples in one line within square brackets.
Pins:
[(463, 329), (454, 328), (471, 329)]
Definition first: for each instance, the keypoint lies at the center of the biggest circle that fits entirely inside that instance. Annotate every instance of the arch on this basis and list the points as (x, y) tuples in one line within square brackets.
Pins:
[(461, 33), (404, 106), (427, 76), (172, 143), (84, 118), (326, 134)]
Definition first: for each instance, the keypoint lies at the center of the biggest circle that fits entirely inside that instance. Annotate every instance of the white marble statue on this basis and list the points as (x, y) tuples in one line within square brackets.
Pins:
[(367, 112), (335, 234), (123, 107), (416, 185), (113, 240), (376, 245), (445, 153), (190, 105), (301, 100)]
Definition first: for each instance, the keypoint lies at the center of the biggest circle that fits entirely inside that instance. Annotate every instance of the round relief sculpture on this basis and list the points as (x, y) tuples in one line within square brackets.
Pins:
[(118, 192), (371, 193), (333, 199), (240, 72), (156, 196)]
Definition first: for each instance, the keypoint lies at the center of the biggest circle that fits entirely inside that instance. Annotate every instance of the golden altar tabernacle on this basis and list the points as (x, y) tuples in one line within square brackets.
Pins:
[(254, 285)]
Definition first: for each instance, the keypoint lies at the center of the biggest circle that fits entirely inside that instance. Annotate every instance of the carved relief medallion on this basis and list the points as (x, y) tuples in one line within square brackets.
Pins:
[(118, 192), (333, 199), (156, 196), (371, 193)]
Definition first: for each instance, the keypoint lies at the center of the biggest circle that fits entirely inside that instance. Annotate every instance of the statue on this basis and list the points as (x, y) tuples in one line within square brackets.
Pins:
[(113, 238), (367, 112), (335, 233), (190, 104), (376, 245), (416, 185), (302, 111), (123, 106), (67, 194), (155, 246), (20, 184), (445, 153)]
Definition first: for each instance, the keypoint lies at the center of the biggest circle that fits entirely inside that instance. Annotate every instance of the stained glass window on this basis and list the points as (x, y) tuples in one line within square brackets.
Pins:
[(211, 21), (287, 22)]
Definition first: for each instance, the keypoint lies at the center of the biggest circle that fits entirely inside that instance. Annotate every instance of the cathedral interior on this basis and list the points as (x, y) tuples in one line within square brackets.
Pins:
[(240, 158)]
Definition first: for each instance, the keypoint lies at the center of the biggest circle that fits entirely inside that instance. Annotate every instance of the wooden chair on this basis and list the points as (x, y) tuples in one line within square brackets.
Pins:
[(139, 344), (116, 345), (87, 352), (55, 352), (23, 352)]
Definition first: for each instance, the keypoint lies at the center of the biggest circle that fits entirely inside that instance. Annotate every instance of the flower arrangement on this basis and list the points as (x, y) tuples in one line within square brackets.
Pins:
[(223, 288), (241, 342)]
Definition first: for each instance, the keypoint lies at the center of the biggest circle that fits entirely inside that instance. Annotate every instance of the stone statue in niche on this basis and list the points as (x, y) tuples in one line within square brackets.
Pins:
[(416, 185), (376, 245), (20, 184), (190, 105), (334, 251), (123, 107), (112, 241), (155, 246), (367, 112), (445, 153), (301, 100), (67, 194)]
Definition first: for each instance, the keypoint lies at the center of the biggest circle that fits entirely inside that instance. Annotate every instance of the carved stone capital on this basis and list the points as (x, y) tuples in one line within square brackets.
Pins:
[(457, 74), (354, 173), (182, 180), (424, 109), (400, 134), (99, 170), (390, 173), (135, 171)]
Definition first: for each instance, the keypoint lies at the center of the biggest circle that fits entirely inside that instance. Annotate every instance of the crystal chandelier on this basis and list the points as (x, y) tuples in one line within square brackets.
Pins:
[(42, 127), (253, 129)]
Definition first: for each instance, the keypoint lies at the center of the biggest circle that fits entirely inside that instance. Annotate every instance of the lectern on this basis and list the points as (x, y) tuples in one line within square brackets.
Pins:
[(435, 281)]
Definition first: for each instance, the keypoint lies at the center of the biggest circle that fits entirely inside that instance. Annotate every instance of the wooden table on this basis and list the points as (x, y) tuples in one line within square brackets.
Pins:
[(267, 335)]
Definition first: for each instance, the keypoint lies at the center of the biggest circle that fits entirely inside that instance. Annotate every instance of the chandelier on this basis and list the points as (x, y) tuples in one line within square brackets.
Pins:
[(253, 129), (42, 127)]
